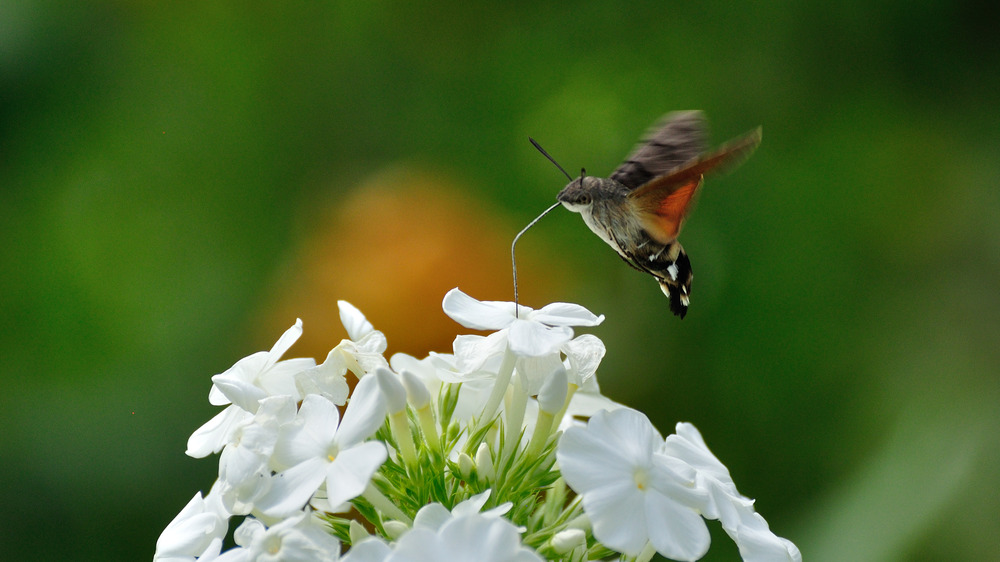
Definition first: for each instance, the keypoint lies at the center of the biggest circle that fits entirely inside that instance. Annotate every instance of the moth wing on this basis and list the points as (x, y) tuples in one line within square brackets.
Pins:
[(675, 140), (663, 202)]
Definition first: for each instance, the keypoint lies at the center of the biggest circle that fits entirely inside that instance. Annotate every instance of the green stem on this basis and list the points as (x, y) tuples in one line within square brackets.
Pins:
[(383, 505), (515, 417), (647, 553), (493, 403)]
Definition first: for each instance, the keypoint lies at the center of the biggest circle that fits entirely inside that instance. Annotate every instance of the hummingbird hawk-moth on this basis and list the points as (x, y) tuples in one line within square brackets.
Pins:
[(640, 208)]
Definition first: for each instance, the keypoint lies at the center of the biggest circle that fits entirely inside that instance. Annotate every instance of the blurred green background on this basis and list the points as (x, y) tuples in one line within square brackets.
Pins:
[(180, 181)]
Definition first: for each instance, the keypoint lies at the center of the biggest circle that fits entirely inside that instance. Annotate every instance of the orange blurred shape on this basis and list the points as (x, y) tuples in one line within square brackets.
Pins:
[(393, 247)]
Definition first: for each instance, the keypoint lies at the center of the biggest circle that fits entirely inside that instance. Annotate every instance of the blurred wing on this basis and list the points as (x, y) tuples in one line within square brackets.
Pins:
[(677, 138), (663, 203)]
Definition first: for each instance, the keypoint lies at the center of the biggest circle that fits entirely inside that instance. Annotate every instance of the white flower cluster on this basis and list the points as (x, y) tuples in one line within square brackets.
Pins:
[(470, 456)]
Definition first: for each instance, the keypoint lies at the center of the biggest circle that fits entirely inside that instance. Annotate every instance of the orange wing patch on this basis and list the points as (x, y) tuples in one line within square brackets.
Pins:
[(662, 209)]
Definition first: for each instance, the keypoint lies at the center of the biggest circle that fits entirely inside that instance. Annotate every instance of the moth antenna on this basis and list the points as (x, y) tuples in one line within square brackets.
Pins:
[(551, 159), (513, 260)]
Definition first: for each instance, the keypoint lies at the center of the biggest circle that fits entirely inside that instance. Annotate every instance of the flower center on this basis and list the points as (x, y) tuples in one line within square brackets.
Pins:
[(641, 478), (272, 544)]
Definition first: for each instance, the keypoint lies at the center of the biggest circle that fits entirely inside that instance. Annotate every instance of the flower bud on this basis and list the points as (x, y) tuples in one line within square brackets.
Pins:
[(552, 396), (416, 390), (357, 532), (565, 541), (392, 390), (395, 529), (484, 464), (465, 466)]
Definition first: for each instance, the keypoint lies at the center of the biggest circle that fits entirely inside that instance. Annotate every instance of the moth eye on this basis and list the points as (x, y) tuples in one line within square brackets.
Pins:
[(584, 200)]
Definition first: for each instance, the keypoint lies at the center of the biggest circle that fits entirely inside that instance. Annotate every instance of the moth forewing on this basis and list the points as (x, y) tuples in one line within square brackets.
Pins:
[(675, 140)]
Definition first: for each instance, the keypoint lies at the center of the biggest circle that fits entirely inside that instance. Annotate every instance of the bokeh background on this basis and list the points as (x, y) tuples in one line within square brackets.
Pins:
[(180, 181)]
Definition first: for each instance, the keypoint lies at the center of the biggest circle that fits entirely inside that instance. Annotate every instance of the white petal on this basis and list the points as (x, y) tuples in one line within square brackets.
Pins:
[(354, 322), (364, 415), (432, 516), (373, 342), (241, 393), (630, 430), (248, 530), (537, 370), (191, 532), (368, 550), (552, 395), (280, 378), (675, 530), (475, 503), (326, 379), (589, 462), (311, 435), (291, 489), (417, 393), (286, 340), (350, 472), (216, 432), (758, 544), (482, 538), (584, 353), (565, 314), (420, 545), (393, 392), (585, 404), (246, 369), (472, 352), (617, 514), (478, 315), (532, 339)]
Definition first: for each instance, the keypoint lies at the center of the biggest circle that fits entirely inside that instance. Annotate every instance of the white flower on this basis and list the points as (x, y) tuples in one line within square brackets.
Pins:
[(196, 532), (360, 354), (326, 379), (758, 544), (632, 494), (438, 368), (439, 534), (467, 538), (244, 385), (300, 538), (372, 549), (244, 466), (318, 447), (736, 513), (529, 332), (363, 351), (260, 375), (584, 354), (435, 515)]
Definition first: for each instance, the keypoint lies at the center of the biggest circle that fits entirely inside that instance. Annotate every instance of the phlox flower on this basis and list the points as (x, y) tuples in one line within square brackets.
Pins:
[(299, 538), (296, 449), (435, 515), (319, 447), (366, 345), (528, 333), (243, 386), (467, 538), (736, 513), (196, 532), (461, 535), (245, 463), (360, 354), (632, 494), (440, 368)]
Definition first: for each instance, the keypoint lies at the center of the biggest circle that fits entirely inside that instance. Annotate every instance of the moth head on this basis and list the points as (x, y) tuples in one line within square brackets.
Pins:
[(578, 195)]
